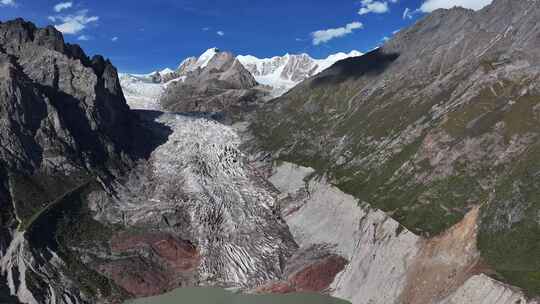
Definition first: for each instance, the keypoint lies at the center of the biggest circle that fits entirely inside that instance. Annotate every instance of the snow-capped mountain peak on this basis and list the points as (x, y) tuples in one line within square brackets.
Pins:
[(193, 63), (284, 72), (166, 71), (205, 58)]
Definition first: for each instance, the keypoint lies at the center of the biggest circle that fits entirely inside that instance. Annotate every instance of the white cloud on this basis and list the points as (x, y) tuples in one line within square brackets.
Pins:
[(73, 24), (323, 36), (220, 33), (7, 3), (62, 6), (431, 5), (114, 39), (371, 6), (83, 38), (205, 29)]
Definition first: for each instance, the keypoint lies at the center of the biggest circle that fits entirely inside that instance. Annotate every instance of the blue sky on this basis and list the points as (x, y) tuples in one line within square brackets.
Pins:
[(145, 35)]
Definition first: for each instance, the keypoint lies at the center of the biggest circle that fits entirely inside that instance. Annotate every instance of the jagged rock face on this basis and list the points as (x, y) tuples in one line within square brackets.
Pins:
[(58, 106), (218, 84), (63, 116), (63, 122), (441, 119)]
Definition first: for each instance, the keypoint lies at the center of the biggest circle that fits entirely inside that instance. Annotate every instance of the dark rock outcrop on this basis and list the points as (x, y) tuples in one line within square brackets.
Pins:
[(64, 123), (64, 118)]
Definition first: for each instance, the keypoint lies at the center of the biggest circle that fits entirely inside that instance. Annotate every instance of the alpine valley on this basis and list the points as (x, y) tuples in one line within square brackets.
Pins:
[(409, 174)]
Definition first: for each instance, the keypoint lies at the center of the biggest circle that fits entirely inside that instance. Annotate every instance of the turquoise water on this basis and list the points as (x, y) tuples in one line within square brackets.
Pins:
[(220, 296)]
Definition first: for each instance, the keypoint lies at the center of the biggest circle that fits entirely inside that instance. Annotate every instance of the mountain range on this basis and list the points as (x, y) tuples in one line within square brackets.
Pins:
[(279, 74), (409, 174)]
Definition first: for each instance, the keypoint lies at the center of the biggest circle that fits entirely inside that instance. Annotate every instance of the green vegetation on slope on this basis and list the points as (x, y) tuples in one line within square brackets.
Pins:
[(332, 129), (509, 237), (67, 226)]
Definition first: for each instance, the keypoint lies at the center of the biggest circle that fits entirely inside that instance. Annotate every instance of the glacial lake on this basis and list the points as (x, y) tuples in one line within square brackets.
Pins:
[(221, 296)]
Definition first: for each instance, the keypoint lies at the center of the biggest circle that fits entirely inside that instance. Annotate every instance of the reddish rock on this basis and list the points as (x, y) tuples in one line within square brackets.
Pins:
[(182, 255), (318, 276), (122, 242), (179, 254), (136, 277)]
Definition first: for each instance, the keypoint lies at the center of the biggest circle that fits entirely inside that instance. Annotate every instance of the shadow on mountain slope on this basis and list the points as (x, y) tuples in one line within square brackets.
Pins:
[(372, 63)]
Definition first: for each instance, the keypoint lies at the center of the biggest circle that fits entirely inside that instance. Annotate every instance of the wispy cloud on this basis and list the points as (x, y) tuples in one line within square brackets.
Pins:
[(8, 3), (62, 6), (409, 13), (375, 6), (73, 24), (205, 29), (114, 39), (83, 38), (220, 33), (431, 5), (323, 36)]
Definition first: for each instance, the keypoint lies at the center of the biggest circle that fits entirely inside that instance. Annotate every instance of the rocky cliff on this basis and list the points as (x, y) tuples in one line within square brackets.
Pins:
[(64, 125), (441, 120), (63, 118)]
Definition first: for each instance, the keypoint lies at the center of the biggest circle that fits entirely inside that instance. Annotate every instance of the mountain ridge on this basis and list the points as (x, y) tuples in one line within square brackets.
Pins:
[(429, 126)]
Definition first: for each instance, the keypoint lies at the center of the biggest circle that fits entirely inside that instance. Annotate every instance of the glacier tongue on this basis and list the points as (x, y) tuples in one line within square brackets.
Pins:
[(140, 91), (202, 184)]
